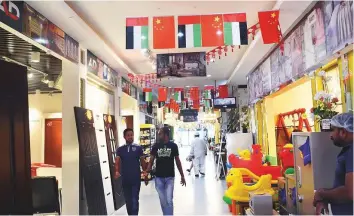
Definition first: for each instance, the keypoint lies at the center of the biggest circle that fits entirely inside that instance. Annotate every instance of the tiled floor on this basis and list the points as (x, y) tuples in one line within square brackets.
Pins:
[(202, 196)]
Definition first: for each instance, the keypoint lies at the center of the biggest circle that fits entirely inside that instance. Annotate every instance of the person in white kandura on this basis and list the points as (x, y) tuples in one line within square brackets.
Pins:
[(199, 151)]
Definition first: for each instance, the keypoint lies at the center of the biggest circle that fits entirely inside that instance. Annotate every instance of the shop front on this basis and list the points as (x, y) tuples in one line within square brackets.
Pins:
[(39, 68)]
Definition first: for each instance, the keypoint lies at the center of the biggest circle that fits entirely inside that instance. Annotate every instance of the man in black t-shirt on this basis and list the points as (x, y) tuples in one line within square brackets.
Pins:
[(166, 153)]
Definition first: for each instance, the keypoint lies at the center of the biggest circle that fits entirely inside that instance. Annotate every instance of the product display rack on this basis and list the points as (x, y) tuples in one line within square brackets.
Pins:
[(147, 140)]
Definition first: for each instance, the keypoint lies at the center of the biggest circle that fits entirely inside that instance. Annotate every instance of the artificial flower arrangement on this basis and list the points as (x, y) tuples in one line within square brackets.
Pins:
[(325, 109)]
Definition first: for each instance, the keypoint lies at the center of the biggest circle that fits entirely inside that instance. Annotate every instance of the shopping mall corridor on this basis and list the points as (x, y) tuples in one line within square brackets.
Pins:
[(201, 196)]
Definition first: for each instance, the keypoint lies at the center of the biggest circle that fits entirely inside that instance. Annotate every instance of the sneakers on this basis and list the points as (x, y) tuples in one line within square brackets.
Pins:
[(197, 176), (188, 170), (203, 174)]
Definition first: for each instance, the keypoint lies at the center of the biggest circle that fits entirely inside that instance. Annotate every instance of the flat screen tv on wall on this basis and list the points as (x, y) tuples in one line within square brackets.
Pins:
[(181, 65)]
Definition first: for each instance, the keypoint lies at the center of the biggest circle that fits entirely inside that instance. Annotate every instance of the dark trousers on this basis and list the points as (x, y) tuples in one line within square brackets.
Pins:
[(131, 195)]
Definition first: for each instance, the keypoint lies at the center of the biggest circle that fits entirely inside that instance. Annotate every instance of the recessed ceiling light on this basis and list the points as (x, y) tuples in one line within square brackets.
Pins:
[(209, 75), (169, 87), (187, 86), (219, 32), (30, 75)]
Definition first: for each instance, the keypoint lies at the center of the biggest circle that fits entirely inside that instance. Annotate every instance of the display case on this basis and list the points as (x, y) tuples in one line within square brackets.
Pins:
[(315, 164), (147, 140)]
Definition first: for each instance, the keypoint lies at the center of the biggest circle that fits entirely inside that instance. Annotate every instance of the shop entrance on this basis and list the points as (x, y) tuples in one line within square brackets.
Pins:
[(15, 187), (30, 92)]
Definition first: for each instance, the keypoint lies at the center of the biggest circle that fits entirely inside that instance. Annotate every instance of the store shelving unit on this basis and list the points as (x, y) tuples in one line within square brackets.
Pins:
[(147, 140)]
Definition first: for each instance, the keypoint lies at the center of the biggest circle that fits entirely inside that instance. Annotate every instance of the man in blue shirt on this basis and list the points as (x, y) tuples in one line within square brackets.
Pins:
[(341, 195), (128, 161)]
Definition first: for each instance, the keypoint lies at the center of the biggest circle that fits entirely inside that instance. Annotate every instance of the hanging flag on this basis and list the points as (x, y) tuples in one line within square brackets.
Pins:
[(196, 104), (137, 33), (162, 94), (270, 28), (207, 94), (212, 30), (207, 103), (223, 91), (194, 93), (189, 32), (147, 94), (164, 32), (235, 29)]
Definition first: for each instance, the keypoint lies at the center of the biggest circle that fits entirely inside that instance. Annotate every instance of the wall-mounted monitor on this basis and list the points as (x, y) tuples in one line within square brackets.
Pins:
[(220, 103)]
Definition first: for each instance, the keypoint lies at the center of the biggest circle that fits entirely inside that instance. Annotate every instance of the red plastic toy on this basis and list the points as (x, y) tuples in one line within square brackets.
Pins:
[(255, 164), (287, 158)]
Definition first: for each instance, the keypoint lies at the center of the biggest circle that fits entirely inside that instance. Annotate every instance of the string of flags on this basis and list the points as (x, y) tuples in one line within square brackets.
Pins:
[(175, 99), (215, 30)]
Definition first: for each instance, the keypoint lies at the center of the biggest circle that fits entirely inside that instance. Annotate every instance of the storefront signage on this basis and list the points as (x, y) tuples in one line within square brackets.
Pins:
[(189, 115), (129, 89), (71, 49), (100, 69), (23, 18), (11, 14)]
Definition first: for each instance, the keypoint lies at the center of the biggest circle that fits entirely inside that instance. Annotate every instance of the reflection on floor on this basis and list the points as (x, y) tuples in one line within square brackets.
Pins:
[(202, 196)]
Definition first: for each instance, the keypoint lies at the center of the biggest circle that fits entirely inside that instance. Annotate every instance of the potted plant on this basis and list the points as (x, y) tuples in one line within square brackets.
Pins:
[(244, 119), (325, 109)]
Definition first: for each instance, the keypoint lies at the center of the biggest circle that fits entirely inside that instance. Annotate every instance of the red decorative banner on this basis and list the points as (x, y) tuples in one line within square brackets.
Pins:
[(223, 91)]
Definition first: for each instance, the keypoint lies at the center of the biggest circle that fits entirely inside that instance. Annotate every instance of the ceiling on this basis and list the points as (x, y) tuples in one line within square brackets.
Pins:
[(100, 27), (16, 50)]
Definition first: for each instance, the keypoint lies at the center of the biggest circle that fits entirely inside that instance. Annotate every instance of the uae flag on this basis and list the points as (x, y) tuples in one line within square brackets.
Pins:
[(178, 96), (189, 32), (235, 29), (137, 33), (147, 94)]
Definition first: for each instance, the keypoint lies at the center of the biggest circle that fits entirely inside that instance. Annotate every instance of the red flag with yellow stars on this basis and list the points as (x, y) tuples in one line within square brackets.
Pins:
[(164, 32), (212, 30), (270, 28)]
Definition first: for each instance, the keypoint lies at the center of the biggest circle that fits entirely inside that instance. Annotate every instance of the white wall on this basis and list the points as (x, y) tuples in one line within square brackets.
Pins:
[(70, 170), (99, 100), (41, 107), (129, 106)]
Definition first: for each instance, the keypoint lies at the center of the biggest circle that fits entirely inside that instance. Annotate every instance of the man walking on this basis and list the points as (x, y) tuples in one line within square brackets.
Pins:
[(129, 159), (166, 153), (199, 151)]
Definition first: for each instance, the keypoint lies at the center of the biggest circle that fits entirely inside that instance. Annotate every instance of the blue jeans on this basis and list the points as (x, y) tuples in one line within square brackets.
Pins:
[(131, 195), (164, 187)]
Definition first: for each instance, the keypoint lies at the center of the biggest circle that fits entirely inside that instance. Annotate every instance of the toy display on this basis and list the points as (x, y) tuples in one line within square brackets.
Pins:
[(238, 191), (255, 164), (245, 154), (287, 159)]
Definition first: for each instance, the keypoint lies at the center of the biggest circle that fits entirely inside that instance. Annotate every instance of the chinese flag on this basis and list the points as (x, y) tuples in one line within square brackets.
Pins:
[(270, 28), (194, 93), (212, 30), (164, 32), (162, 94), (196, 104), (223, 91)]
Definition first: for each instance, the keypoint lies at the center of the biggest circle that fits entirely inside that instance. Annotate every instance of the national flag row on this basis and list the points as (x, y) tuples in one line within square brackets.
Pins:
[(199, 30), (187, 98)]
